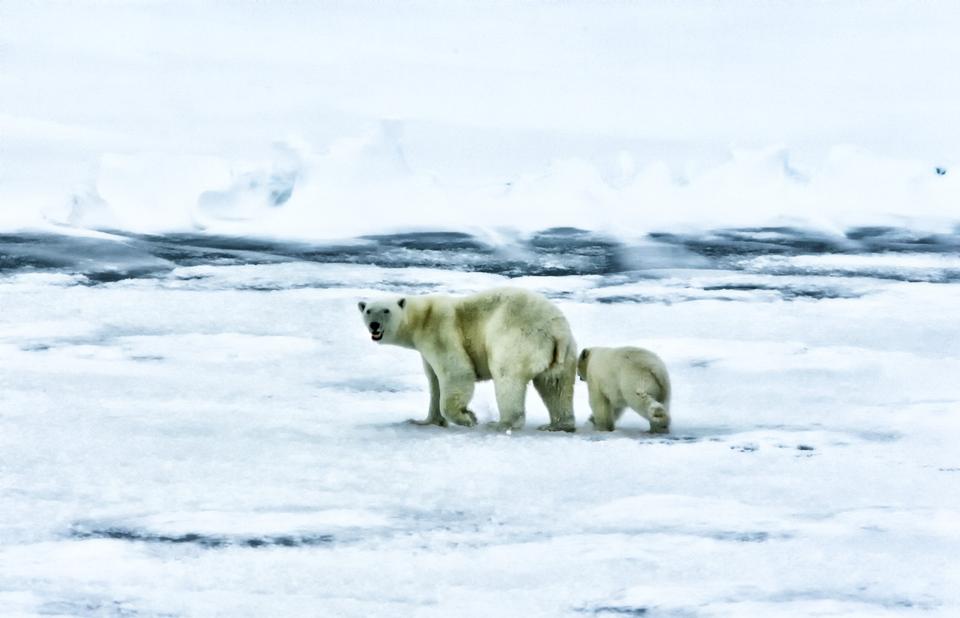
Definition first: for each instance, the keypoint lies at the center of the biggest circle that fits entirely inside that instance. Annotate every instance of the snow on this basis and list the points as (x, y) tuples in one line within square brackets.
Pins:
[(222, 444), (328, 121), (194, 196)]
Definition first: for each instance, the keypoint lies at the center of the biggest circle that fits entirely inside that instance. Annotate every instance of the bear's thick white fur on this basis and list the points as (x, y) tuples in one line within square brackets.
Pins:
[(627, 377), (508, 335)]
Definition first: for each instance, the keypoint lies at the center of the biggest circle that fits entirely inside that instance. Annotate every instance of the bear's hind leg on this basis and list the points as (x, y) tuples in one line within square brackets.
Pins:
[(556, 391), (511, 398)]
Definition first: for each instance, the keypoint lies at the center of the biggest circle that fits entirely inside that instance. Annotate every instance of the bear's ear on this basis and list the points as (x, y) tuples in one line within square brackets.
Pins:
[(362, 305), (402, 302)]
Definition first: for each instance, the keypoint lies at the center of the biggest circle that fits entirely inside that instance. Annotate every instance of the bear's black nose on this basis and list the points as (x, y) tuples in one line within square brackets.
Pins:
[(374, 325)]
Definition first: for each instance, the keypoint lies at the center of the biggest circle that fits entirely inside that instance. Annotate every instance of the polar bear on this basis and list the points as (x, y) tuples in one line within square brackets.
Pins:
[(508, 335), (619, 378)]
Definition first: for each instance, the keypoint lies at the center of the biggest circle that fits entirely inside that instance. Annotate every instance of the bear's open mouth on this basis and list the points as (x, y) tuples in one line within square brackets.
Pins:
[(377, 336)]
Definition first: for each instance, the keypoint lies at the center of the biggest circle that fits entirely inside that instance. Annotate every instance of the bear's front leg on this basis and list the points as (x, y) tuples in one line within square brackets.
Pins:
[(434, 417), (456, 390)]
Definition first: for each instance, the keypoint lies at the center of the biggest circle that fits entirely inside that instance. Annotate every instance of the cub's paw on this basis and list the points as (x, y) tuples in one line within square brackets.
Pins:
[(568, 427)]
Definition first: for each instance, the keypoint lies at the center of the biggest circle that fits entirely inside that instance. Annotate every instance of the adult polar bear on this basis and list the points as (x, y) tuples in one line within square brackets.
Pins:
[(507, 335)]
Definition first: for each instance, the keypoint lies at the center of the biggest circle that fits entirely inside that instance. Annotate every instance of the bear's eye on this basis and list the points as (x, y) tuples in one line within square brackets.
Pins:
[(369, 311), (386, 311)]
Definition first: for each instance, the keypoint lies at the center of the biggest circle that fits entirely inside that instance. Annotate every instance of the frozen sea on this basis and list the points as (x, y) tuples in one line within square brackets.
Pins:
[(195, 195), (195, 425)]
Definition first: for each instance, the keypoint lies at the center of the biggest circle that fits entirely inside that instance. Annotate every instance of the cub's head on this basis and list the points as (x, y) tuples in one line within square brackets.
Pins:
[(382, 317), (582, 363)]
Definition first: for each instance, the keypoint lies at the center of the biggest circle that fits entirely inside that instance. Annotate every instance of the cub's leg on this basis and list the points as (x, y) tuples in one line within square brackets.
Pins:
[(603, 412), (433, 415), (652, 410)]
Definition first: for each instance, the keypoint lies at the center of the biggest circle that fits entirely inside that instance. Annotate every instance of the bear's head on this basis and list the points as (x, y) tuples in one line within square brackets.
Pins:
[(382, 318), (582, 363)]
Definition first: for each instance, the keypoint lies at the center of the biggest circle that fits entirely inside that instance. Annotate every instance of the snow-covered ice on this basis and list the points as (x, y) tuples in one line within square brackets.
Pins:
[(224, 439), (193, 197)]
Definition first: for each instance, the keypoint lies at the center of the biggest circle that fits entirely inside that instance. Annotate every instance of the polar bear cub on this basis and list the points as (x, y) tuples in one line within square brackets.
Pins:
[(627, 377), (508, 335)]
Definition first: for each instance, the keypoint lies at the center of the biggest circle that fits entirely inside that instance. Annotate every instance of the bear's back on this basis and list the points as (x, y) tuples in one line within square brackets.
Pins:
[(504, 305)]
